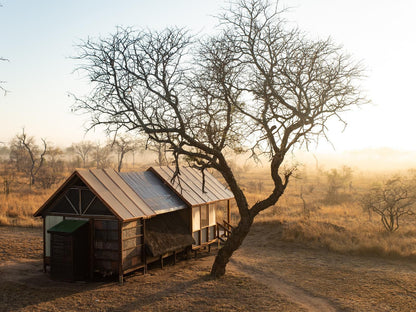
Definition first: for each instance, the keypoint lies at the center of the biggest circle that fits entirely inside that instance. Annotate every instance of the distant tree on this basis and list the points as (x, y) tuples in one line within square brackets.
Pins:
[(83, 150), (123, 144), (391, 200), (337, 179), (102, 155), (256, 84), (4, 150), (27, 156), (161, 149), (53, 170)]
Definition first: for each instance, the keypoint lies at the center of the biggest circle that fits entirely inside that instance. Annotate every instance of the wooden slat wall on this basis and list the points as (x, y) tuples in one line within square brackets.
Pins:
[(106, 246), (132, 242)]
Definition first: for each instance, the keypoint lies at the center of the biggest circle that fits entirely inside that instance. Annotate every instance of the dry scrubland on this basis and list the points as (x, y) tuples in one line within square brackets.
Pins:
[(284, 264), (305, 212), (339, 224)]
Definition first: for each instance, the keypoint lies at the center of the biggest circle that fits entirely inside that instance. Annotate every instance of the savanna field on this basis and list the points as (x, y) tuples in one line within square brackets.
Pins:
[(315, 210), (318, 249)]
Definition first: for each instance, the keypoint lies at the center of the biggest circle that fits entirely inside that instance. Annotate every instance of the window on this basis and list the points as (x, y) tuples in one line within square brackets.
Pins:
[(203, 223)]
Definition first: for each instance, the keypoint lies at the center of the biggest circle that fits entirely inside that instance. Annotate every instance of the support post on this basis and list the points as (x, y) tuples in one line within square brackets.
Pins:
[(144, 247), (120, 254), (44, 244), (228, 211), (91, 256)]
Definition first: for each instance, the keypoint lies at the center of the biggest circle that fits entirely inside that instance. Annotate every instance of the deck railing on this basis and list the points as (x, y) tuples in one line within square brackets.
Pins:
[(224, 230)]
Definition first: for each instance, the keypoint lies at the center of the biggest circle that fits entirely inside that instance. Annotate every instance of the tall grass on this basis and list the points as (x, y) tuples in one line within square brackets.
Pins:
[(17, 209)]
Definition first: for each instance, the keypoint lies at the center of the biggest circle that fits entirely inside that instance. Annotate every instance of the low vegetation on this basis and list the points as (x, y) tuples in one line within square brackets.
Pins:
[(311, 213), (339, 209)]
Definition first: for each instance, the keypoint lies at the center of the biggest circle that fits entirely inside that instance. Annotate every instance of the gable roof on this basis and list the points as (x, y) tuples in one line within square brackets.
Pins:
[(132, 195), (188, 185), (117, 194)]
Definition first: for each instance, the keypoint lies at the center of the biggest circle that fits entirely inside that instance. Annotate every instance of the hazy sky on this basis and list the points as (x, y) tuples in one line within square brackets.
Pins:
[(38, 38)]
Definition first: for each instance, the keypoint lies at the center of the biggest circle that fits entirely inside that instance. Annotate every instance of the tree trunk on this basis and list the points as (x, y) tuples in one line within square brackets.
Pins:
[(232, 244), (120, 162)]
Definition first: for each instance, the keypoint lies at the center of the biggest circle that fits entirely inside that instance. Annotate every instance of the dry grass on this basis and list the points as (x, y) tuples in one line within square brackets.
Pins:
[(343, 227), (17, 209)]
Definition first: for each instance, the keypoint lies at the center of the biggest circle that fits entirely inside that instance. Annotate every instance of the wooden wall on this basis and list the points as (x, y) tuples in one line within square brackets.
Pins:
[(132, 244), (106, 246)]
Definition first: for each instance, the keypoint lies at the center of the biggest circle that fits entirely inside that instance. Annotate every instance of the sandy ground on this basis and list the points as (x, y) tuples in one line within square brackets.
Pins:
[(319, 280), (266, 274)]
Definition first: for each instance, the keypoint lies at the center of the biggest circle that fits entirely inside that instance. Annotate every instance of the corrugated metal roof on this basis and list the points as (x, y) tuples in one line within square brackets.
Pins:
[(151, 189), (111, 194), (132, 195), (188, 185)]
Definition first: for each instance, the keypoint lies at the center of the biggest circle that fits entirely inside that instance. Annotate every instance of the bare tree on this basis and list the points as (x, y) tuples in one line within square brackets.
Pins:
[(123, 144), (83, 149), (161, 149), (102, 155), (52, 171), (28, 156), (256, 85), (391, 200)]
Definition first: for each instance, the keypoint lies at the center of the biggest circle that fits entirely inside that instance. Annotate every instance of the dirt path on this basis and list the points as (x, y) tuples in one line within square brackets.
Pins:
[(319, 280), (294, 294)]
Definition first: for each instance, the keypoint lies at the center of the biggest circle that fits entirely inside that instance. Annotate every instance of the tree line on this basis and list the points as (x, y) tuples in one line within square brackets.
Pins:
[(26, 161)]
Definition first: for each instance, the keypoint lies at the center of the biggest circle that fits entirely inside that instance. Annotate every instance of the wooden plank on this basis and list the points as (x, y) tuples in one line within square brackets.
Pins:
[(44, 244), (91, 253), (129, 225), (132, 195), (144, 256), (120, 253)]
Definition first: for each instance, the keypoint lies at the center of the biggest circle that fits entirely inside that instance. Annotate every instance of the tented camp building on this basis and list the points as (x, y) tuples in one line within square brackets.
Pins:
[(103, 222)]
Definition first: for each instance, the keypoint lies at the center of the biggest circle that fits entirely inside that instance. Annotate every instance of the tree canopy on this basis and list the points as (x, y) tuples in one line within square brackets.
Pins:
[(256, 85)]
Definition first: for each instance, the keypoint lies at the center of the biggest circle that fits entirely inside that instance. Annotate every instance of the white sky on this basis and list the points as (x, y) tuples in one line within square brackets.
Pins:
[(38, 37)]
